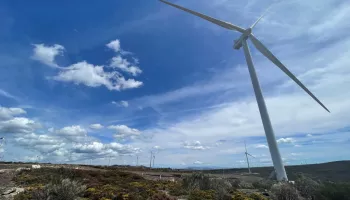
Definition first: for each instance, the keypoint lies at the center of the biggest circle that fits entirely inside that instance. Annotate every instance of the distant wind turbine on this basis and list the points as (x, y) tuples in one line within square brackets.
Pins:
[(137, 160), (150, 161), (242, 41), (154, 157), (246, 155)]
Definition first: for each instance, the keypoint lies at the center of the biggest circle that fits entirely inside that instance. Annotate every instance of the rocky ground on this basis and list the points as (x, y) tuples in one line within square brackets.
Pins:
[(7, 188)]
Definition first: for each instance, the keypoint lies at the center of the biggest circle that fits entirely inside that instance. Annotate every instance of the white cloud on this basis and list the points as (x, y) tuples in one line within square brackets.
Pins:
[(124, 65), (309, 135), (96, 126), (72, 131), (114, 45), (95, 76), (296, 154), (94, 147), (8, 113), (198, 162), (261, 146), (285, 140), (98, 148), (196, 145), (124, 103), (123, 149), (42, 143), (18, 125), (47, 54), (124, 131), (157, 147), (121, 103)]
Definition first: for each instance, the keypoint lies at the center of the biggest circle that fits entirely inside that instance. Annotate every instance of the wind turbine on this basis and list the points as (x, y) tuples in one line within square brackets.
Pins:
[(2, 144), (242, 41), (137, 160), (150, 162), (154, 157), (246, 155)]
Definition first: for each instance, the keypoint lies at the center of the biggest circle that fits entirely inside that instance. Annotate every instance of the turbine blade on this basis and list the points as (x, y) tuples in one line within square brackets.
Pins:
[(278, 63), (250, 155), (263, 15), (226, 25)]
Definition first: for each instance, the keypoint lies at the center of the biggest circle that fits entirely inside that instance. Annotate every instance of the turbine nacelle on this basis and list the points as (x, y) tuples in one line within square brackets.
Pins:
[(238, 43)]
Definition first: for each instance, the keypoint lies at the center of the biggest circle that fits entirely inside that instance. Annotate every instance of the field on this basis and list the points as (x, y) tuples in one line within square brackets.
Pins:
[(126, 182)]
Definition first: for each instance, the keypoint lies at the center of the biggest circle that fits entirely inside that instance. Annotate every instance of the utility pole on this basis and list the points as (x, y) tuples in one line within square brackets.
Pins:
[(137, 160)]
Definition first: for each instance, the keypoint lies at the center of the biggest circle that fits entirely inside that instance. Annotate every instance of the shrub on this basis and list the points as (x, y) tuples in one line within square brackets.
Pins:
[(235, 183), (23, 196), (284, 191), (199, 181), (161, 196), (65, 190), (263, 184), (333, 191), (202, 195), (222, 188), (177, 190), (306, 186), (240, 196), (256, 196), (196, 181)]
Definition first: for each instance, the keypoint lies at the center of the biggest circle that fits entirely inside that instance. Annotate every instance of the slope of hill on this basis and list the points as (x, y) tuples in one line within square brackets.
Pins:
[(332, 171)]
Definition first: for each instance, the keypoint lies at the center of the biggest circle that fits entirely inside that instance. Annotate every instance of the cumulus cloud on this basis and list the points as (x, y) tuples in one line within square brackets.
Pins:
[(124, 131), (46, 54), (96, 126), (114, 45), (18, 125), (41, 143), (100, 149), (94, 147), (73, 133), (84, 73), (95, 76), (196, 145), (118, 62), (123, 149), (124, 65), (8, 113), (285, 140)]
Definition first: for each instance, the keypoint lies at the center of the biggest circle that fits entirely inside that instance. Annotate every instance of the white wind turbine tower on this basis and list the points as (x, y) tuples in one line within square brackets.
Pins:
[(246, 155), (242, 41), (137, 160), (150, 162), (2, 144)]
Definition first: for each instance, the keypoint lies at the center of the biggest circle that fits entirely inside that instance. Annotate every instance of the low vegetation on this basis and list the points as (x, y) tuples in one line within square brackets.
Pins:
[(113, 184)]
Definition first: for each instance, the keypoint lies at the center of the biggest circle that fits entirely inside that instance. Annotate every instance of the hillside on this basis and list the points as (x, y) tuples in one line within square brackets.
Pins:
[(332, 171)]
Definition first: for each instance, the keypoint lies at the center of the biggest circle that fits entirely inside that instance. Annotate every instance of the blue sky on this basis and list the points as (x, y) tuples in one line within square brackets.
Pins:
[(82, 81)]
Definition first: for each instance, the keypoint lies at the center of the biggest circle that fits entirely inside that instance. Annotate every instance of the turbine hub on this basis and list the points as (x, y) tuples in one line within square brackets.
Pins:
[(248, 31)]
